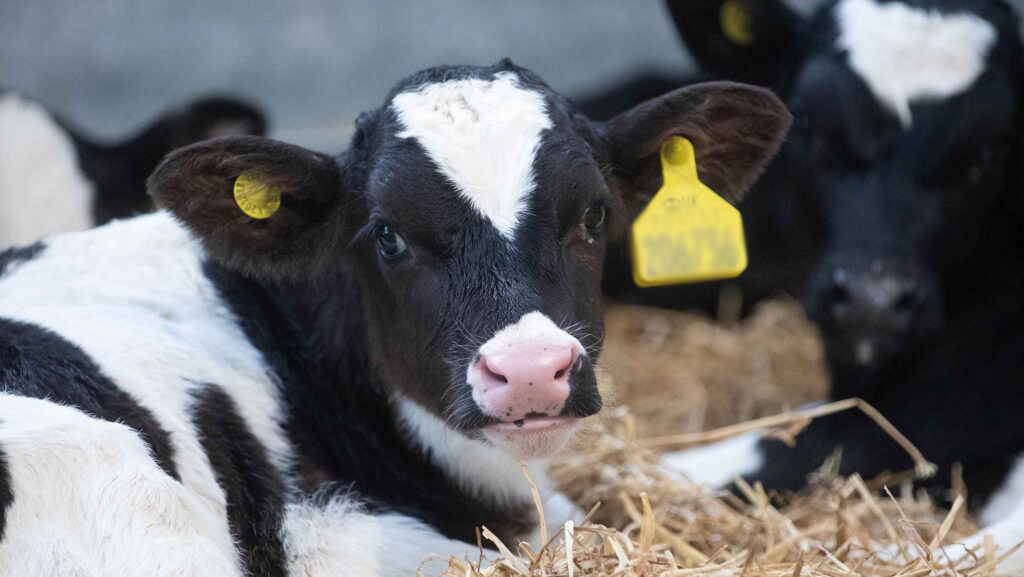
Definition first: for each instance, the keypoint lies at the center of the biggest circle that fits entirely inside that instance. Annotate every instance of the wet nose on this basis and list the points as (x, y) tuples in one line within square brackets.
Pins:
[(525, 379), (878, 294)]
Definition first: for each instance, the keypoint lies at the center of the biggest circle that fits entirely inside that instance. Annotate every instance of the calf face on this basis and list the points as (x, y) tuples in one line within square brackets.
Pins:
[(472, 213), (906, 116)]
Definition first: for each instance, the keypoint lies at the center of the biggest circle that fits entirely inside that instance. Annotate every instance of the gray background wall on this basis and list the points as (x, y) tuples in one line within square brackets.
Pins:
[(109, 65)]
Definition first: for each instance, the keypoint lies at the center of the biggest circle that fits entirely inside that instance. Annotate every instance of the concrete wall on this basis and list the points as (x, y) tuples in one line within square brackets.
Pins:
[(108, 65)]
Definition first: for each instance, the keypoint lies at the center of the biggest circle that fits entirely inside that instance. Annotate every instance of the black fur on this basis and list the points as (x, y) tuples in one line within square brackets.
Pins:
[(6, 494), (254, 488), (37, 363), (20, 254), (340, 418)]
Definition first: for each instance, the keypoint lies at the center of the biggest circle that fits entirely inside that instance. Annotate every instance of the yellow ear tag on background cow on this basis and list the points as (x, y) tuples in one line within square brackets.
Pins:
[(255, 196), (687, 233), (734, 20)]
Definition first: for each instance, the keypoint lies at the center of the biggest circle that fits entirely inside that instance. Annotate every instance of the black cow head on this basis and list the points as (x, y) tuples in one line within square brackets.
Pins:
[(119, 170), (906, 121), (473, 210)]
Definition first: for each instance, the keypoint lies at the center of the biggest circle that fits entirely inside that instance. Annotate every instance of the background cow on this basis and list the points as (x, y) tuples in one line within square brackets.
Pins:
[(54, 179), (340, 388), (895, 211)]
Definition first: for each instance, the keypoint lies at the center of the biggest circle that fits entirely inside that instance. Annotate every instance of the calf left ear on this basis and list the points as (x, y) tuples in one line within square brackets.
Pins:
[(735, 129), (285, 230)]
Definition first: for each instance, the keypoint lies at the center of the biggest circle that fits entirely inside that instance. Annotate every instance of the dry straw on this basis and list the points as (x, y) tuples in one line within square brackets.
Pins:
[(647, 521)]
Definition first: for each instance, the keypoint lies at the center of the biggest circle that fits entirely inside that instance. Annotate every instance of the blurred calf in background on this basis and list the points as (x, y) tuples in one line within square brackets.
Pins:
[(53, 179), (895, 211)]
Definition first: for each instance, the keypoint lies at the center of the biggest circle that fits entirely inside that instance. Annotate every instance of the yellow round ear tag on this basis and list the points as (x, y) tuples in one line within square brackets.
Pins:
[(687, 233), (256, 197), (734, 20)]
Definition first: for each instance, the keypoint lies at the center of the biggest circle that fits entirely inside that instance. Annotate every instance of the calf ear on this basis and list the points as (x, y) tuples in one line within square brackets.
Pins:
[(735, 129), (748, 40), (197, 184)]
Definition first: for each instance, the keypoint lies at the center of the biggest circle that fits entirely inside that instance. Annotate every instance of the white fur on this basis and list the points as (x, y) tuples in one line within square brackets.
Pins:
[(89, 500), (483, 136), (42, 188), (532, 327), (132, 295), (1007, 532), (339, 540), (717, 464), (905, 53), (476, 465), (1009, 496)]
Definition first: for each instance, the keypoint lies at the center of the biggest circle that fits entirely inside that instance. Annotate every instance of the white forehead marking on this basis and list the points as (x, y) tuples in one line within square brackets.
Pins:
[(907, 53), (483, 135)]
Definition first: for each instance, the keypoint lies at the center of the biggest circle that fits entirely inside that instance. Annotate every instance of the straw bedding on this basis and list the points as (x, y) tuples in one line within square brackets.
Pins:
[(645, 520)]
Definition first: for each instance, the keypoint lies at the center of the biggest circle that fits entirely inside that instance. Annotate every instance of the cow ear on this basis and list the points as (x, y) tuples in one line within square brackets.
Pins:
[(735, 129), (200, 119), (264, 208), (748, 40)]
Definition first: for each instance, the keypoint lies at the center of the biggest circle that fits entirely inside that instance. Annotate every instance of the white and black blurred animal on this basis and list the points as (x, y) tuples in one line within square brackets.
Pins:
[(343, 387), (54, 179), (895, 210)]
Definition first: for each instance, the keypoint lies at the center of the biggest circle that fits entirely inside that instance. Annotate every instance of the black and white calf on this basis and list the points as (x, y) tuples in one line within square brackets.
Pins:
[(895, 209), (53, 179), (340, 389)]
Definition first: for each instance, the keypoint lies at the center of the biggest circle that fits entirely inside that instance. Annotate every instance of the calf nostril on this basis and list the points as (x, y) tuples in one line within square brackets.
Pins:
[(491, 373), (840, 295), (562, 372), (905, 301), (839, 291)]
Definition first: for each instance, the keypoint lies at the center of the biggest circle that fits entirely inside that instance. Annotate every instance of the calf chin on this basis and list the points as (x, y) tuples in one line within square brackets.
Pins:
[(544, 439)]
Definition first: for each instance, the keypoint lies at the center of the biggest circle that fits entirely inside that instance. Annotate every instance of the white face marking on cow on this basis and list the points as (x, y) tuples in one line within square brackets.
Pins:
[(42, 188), (483, 135), (906, 53)]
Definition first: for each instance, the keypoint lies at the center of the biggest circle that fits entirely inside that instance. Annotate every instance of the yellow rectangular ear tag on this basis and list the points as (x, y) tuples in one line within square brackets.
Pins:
[(687, 233)]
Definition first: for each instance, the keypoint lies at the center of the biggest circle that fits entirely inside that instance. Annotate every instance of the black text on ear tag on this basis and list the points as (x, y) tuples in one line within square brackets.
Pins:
[(687, 233)]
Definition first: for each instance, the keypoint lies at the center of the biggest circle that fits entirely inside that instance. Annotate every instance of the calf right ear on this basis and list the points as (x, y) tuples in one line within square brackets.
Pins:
[(197, 184)]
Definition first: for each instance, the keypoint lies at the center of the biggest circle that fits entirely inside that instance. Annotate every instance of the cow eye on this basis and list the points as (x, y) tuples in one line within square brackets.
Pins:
[(593, 219), (389, 243)]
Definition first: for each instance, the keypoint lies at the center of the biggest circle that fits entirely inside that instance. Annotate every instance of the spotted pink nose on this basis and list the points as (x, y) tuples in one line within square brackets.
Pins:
[(524, 379)]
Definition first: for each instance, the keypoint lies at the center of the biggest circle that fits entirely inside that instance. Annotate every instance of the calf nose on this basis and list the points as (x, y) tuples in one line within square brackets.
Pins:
[(525, 379), (878, 294)]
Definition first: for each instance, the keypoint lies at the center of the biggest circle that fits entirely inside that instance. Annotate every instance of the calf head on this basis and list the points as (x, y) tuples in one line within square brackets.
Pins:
[(906, 116), (473, 210)]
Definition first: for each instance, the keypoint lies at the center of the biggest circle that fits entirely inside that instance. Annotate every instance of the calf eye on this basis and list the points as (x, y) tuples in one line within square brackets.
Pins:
[(593, 219), (389, 243)]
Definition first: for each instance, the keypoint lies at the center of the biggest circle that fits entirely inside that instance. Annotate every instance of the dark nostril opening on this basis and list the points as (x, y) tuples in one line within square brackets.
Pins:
[(840, 294), (905, 301), (839, 291), (565, 370), (491, 373)]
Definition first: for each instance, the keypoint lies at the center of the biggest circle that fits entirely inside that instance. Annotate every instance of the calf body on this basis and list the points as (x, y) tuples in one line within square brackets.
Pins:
[(54, 179), (344, 387)]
